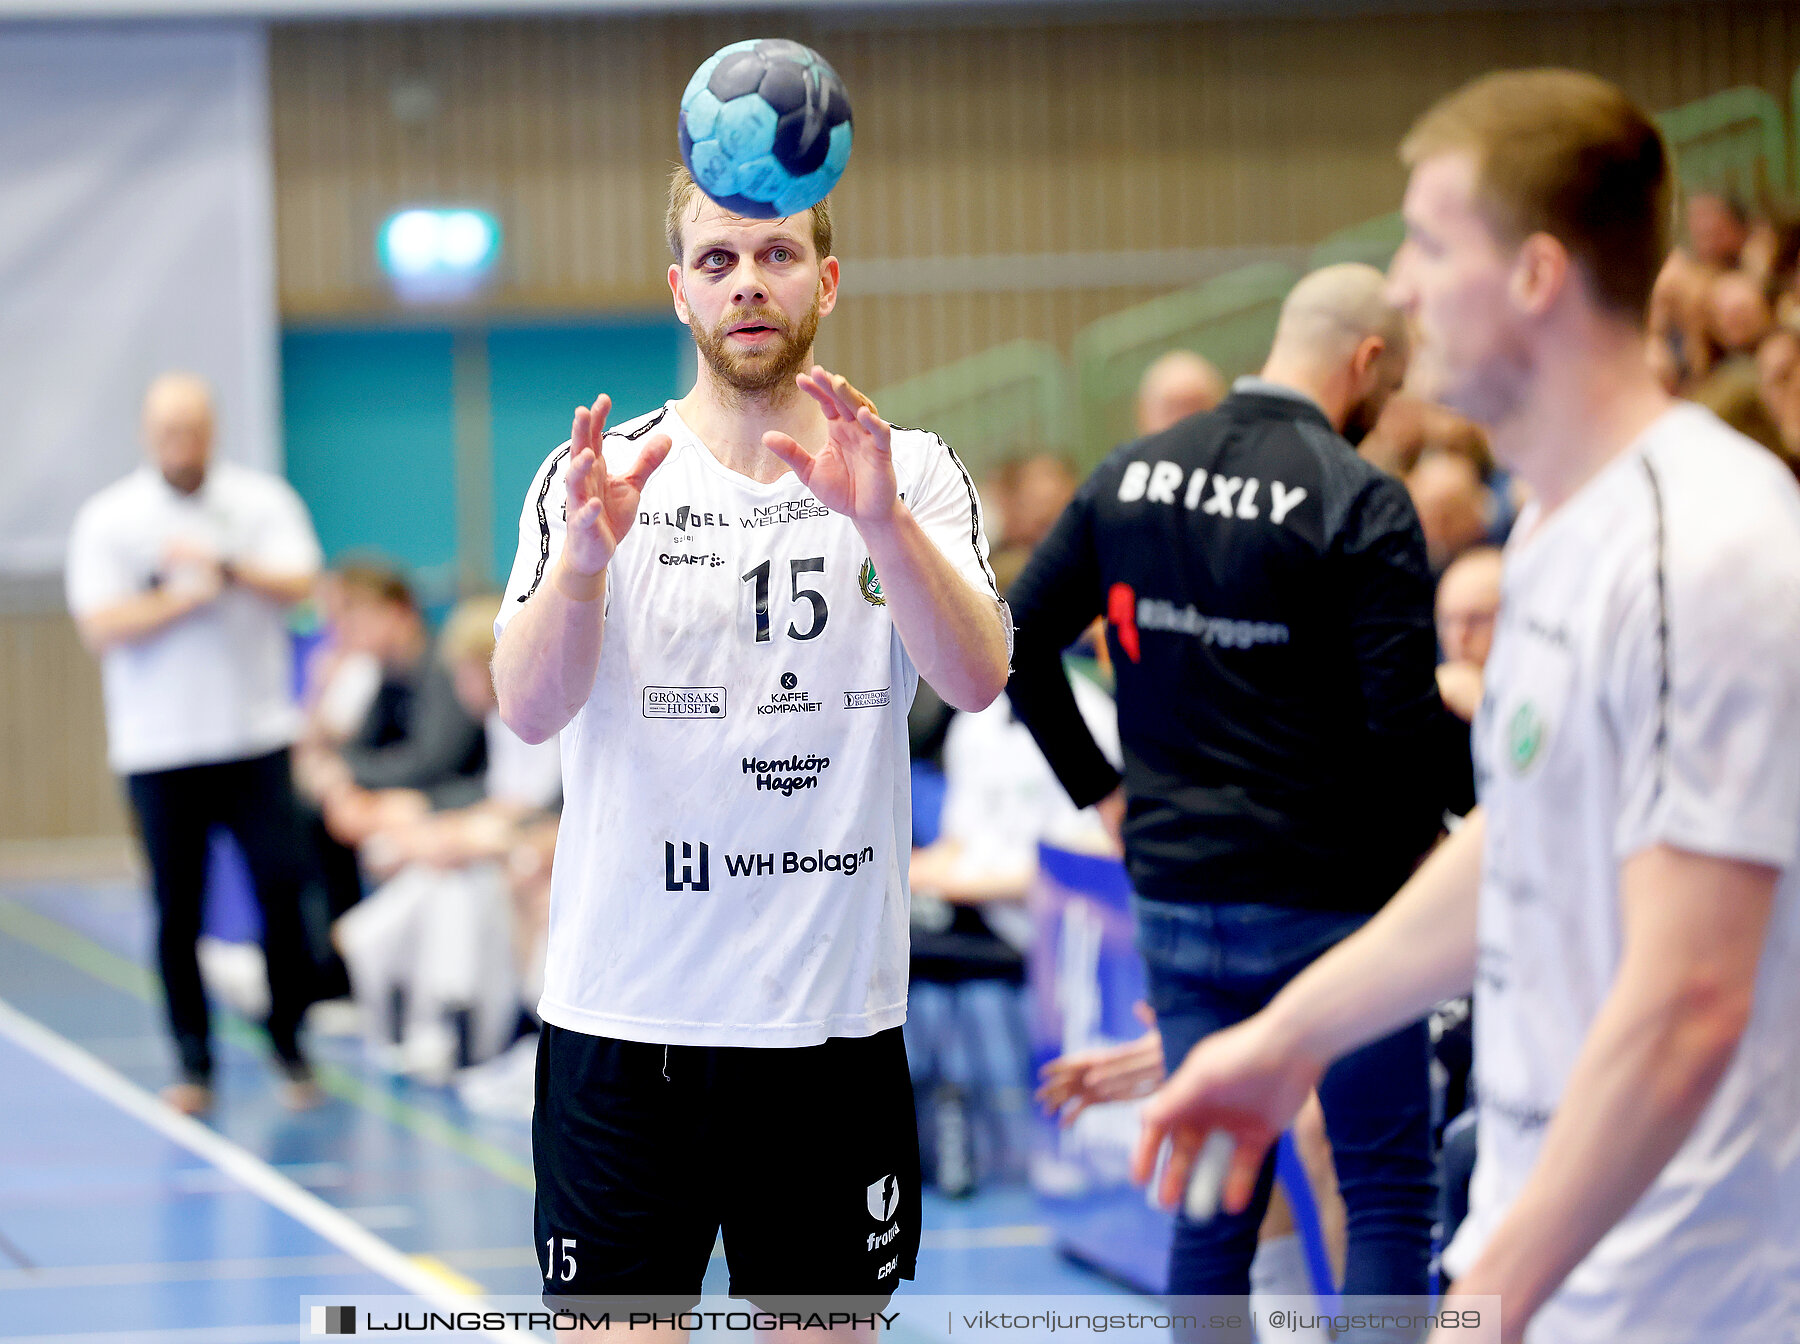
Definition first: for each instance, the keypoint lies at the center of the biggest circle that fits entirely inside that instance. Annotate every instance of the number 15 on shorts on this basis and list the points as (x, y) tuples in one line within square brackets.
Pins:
[(559, 1266)]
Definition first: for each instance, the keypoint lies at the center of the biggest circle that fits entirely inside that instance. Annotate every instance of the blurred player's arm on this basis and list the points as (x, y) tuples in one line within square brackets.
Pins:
[(1384, 587), (1053, 601), (547, 656), (137, 618), (1693, 931), (954, 632), (1250, 1080)]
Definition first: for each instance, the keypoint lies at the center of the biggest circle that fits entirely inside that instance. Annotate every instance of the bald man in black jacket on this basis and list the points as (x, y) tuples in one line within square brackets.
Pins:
[(1268, 611)]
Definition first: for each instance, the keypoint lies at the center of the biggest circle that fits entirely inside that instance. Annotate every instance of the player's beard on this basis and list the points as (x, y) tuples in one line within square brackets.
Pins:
[(759, 374)]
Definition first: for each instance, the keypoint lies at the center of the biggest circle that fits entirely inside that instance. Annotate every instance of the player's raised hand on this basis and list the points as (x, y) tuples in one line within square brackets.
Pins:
[(601, 506), (854, 473), (1239, 1081)]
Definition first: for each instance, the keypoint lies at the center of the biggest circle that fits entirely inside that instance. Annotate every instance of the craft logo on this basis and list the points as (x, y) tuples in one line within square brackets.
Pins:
[(711, 560), (788, 511), (684, 702), (870, 583), (687, 880), (334, 1320), (876, 699), (884, 1197)]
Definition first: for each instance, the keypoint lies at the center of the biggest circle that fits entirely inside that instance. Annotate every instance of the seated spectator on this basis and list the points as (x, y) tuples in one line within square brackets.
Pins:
[(1455, 505), (431, 952), (1468, 603), (1030, 492), (971, 931), (1778, 381), (417, 748), (1718, 226), (338, 683), (1175, 386)]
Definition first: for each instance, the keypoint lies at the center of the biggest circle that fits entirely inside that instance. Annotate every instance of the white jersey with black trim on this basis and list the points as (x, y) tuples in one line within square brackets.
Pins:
[(1644, 689), (737, 818)]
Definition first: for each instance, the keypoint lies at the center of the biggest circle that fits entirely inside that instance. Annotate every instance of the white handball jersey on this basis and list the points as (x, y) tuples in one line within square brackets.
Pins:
[(216, 685), (736, 827), (1644, 688)]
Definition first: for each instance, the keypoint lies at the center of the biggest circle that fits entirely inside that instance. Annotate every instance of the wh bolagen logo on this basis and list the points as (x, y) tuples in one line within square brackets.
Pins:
[(690, 869), (687, 881)]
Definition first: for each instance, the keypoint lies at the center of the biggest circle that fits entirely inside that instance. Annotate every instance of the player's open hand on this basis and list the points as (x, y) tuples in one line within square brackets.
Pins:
[(601, 506), (1238, 1081), (854, 473), (1070, 1083)]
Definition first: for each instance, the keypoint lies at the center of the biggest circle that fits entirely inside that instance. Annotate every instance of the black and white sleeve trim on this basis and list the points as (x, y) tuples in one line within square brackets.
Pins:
[(543, 495)]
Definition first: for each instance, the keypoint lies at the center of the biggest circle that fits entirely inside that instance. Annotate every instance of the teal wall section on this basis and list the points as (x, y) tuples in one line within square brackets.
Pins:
[(538, 375), (370, 441), (370, 421)]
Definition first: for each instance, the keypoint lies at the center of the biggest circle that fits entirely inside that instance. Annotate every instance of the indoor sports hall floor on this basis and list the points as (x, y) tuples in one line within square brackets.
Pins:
[(122, 1224)]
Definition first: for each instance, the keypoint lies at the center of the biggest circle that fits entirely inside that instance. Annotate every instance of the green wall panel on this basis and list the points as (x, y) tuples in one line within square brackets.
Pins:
[(370, 441), (537, 376)]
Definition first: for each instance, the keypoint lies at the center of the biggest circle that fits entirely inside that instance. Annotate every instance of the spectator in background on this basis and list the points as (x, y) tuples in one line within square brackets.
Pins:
[(1738, 315), (1175, 386), (1468, 603), (1455, 506), (180, 577), (430, 952), (416, 750), (1268, 609), (1718, 226), (1778, 380), (1028, 492)]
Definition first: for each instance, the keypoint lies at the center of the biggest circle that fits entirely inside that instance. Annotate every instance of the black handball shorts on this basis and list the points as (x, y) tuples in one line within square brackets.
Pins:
[(807, 1158)]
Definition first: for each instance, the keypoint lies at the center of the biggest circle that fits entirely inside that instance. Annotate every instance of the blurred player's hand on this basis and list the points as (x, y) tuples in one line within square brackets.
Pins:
[(1460, 686), (1072, 1083), (601, 506), (1241, 1080), (854, 473), (1112, 815)]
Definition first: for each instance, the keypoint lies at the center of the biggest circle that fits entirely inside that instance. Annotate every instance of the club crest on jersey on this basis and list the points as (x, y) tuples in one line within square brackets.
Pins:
[(1525, 733), (870, 583), (884, 1198)]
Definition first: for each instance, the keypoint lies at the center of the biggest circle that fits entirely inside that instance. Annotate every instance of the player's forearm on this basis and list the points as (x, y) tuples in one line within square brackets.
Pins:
[(1655, 1054), (954, 634), (1417, 952), (277, 585), (135, 618), (545, 664)]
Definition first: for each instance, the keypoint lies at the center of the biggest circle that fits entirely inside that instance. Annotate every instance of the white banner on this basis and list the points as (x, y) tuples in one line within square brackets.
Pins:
[(136, 237)]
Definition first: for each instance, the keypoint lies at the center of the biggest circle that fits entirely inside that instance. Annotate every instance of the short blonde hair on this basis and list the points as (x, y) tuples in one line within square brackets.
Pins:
[(468, 634), (1567, 154), (682, 206)]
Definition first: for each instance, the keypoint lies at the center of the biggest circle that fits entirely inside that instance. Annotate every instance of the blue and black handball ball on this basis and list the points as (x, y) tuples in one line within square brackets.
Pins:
[(765, 127)]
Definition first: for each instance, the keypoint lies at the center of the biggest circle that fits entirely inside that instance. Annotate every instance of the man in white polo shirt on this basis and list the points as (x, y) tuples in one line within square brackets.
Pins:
[(179, 579), (1626, 900)]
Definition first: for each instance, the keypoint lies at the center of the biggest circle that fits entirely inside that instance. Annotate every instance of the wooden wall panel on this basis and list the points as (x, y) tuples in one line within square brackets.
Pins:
[(1083, 138), (54, 781)]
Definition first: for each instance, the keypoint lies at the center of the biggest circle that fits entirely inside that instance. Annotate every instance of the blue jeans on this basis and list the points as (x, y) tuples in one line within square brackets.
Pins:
[(1213, 965)]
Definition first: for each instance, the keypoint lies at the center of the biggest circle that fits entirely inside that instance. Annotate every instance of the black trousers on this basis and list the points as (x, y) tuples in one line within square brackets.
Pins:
[(254, 800)]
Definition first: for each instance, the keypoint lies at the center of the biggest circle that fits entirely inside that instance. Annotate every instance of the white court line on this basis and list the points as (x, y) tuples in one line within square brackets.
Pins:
[(251, 1171)]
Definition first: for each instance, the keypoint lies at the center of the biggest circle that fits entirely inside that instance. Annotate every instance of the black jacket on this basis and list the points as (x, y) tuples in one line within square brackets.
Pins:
[(1268, 609)]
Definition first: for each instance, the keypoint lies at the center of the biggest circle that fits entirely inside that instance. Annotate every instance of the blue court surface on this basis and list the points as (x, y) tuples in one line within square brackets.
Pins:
[(121, 1223)]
